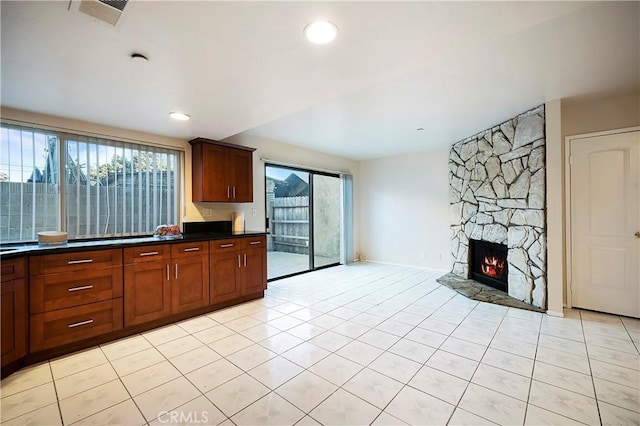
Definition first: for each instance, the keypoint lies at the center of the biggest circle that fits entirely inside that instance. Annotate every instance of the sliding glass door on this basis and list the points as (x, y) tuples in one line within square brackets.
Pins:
[(327, 208), (304, 218)]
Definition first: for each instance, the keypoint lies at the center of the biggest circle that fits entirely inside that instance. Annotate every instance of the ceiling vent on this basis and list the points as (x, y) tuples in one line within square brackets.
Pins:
[(108, 11)]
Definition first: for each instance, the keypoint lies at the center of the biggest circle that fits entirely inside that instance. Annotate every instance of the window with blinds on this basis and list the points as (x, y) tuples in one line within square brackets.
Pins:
[(89, 187)]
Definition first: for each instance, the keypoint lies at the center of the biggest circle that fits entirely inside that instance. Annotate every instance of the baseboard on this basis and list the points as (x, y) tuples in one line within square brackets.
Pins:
[(404, 265)]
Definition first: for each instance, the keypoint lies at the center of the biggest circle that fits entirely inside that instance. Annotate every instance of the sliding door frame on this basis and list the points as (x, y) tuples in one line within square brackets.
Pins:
[(311, 173)]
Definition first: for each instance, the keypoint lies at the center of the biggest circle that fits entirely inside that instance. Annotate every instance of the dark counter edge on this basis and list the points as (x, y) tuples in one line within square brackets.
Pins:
[(70, 247), (50, 354)]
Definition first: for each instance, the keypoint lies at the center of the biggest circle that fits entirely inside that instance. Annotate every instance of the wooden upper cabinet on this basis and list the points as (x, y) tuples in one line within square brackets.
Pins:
[(241, 172), (221, 172)]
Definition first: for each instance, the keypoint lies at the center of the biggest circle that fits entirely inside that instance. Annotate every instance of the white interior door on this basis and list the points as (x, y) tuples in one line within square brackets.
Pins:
[(605, 217)]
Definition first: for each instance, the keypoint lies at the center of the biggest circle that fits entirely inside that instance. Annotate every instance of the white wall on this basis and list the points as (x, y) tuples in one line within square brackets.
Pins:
[(404, 209)]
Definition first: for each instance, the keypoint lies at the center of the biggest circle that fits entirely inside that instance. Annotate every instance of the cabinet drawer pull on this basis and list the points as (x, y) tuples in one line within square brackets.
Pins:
[(167, 272), (227, 245), (239, 262), (255, 242), (75, 262), (192, 249), (84, 287), (78, 324), (228, 196), (245, 260), (148, 253), (176, 271), (234, 192)]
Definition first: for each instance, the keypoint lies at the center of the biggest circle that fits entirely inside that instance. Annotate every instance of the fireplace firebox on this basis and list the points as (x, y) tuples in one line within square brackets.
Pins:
[(488, 264)]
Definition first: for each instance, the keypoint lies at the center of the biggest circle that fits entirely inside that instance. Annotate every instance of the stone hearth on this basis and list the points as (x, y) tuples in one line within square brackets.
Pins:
[(497, 194), (483, 293)]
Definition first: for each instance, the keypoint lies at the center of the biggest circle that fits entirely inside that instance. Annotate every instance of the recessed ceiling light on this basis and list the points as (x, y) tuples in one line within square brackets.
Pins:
[(179, 116), (321, 32)]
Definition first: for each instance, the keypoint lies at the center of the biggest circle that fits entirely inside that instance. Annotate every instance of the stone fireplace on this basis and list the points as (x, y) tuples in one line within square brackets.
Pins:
[(497, 196)]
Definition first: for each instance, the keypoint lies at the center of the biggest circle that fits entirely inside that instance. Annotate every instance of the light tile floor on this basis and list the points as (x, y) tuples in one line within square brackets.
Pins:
[(351, 345)]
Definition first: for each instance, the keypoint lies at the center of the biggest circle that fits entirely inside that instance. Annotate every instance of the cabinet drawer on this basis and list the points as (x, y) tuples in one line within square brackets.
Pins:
[(254, 242), (69, 325), (189, 249), (231, 244), (56, 291), (12, 269), (147, 253), (78, 261)]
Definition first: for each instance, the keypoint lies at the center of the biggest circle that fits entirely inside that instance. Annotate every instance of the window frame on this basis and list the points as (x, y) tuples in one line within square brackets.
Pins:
[(64, 136)]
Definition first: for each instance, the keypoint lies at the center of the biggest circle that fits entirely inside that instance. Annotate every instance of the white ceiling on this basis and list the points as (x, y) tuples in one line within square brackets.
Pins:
[(452, 68)]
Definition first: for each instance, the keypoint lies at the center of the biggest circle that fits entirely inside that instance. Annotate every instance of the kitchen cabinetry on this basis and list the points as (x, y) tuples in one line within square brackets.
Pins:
[(238, 268), (60, 301), (255, 263), (13, 310), (190, 286), (74, 296), (164, 279), (221, 172)]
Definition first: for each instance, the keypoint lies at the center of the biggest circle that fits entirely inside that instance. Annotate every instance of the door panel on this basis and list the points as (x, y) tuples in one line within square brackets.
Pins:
[(224, 282), (605, 215), (254, 271), (190, 287), (147, 292), (242, 174), (327, 206), (288, 211), (214, 163)]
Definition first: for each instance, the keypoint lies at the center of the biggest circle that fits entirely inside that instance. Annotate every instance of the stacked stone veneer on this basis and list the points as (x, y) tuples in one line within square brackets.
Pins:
[(497, 194)]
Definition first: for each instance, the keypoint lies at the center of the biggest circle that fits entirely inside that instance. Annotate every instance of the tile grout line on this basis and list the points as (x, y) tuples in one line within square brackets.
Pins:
[(593, 382)]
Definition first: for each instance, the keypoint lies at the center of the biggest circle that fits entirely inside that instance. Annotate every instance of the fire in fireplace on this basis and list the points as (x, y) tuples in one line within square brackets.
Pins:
[(488, 264)]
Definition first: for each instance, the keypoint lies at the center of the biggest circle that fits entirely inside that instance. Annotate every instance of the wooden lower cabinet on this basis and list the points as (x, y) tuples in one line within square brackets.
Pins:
[(162, 280), (190, 286), (224, 275), (255, 272), (238, 268), (13, 305), (69, 325), (147, 292), (74, 296), (71, 299)]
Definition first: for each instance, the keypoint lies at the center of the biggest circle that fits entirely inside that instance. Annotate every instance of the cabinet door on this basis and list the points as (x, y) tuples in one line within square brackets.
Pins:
[(241, 175), (254, 270), (224, 273), (190, 286), (14, 320), (215, 186), (147, 294)]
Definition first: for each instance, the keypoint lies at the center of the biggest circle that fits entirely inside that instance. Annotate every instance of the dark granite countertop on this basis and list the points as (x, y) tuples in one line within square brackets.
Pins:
[(10, 251)]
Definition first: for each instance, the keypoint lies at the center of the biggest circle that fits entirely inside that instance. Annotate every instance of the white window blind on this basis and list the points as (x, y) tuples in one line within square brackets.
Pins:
[(90, 187)]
